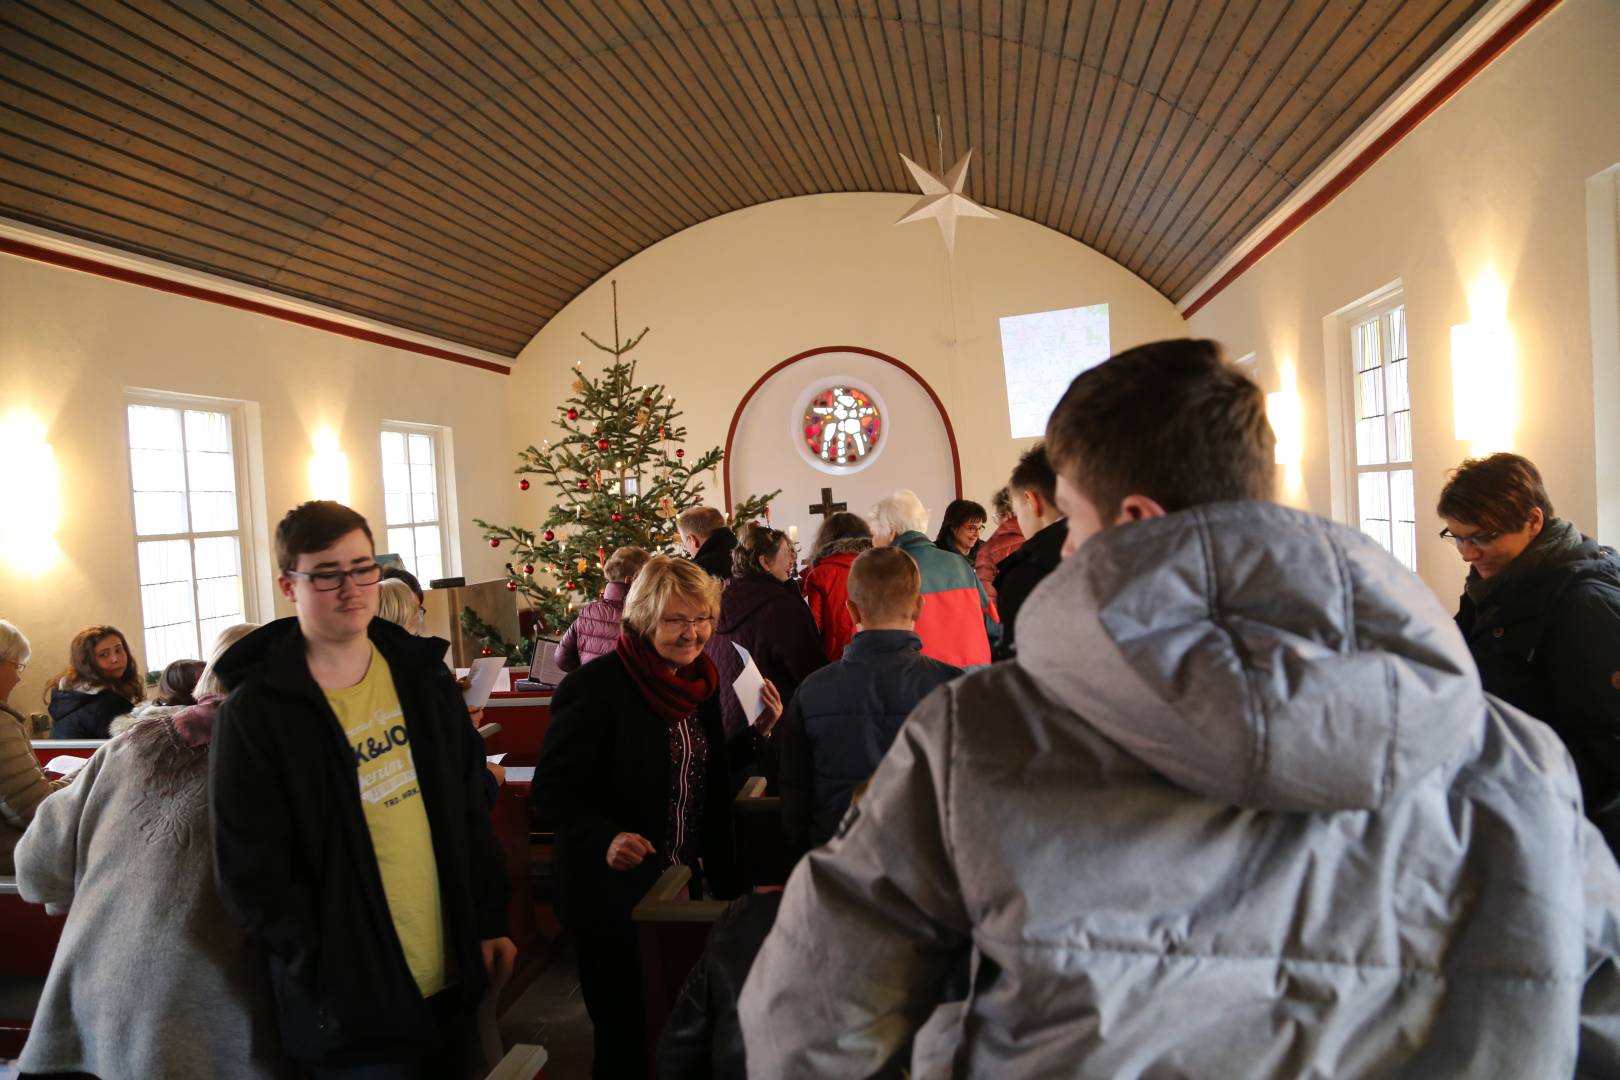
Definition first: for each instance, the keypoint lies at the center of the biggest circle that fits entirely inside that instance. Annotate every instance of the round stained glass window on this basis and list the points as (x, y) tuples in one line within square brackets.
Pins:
[(842, 425)]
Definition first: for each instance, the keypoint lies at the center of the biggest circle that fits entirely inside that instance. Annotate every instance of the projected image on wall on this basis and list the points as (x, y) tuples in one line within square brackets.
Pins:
[(1042, 353)]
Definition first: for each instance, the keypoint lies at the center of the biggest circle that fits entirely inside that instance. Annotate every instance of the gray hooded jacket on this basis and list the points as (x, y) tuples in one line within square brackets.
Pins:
[(1239, 808)]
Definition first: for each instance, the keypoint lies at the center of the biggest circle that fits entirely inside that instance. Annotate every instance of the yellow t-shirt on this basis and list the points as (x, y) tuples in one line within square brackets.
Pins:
[(370, 716)]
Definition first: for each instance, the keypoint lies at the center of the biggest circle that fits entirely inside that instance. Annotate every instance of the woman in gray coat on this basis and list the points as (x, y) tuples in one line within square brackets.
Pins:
[(150, 978)]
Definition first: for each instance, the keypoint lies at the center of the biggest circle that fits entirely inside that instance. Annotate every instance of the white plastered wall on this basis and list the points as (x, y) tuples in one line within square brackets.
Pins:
[(1490, 188), (732, 297), (71, 342)]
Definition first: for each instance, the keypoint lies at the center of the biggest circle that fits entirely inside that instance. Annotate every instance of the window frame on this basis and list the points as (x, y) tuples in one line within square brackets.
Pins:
[(246, 527), (1379, 306), (439, 435)]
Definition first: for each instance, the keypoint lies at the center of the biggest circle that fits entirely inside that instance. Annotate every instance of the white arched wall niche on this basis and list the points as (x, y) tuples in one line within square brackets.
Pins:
[(729, 299)]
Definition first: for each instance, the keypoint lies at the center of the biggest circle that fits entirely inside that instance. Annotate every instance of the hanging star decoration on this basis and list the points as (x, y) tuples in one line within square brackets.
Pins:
[(942, 198)]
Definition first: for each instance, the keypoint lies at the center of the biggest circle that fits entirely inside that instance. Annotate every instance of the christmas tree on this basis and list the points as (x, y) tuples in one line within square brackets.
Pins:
[(618, 475)]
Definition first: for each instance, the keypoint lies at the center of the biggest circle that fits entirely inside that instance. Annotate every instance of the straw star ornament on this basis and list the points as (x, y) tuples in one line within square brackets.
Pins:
[(942, 198)]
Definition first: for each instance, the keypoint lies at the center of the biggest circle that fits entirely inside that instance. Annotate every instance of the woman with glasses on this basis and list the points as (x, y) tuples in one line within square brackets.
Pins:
[(23, 784), (959, 531), (1541, 612), (633, 780)]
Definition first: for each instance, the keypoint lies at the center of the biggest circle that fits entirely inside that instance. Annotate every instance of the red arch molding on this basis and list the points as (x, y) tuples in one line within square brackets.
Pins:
[(944, 418)]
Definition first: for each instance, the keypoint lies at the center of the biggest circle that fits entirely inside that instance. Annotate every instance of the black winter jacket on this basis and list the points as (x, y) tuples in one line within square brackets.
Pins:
[(78, 715), (1547, 640), (841, 723), (604, 769), (715, 554), (293, 854), (1018, 575), (770, 619), (702, 1038)]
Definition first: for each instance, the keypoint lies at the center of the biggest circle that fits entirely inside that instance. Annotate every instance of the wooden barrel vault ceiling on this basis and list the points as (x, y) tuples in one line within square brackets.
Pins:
[(464, 168)]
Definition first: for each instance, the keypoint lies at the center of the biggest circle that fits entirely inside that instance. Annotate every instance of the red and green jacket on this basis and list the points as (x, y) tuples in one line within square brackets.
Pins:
[(957, 618)]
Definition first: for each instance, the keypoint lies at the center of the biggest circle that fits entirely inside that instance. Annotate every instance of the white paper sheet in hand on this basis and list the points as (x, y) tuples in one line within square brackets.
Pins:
[(750, 687), (484, 672), (66, 764)]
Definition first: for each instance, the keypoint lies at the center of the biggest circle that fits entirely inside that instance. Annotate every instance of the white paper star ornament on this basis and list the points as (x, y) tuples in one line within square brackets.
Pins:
[(942, 198)]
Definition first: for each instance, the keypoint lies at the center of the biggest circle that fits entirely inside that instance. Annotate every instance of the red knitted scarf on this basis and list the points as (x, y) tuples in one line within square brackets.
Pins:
[(674, 695)]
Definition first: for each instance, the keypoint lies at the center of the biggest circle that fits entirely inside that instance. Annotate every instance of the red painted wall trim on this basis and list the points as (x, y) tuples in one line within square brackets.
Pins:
[(257, 307), (736, 417), (1459, 76)]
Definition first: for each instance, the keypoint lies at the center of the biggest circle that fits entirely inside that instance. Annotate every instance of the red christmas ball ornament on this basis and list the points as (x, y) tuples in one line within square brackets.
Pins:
[(528, 568), (573, 414), (570, 586), (511, 586), (494, 543), (584, 484), (603, 444), (680, 453), (617, 516), (486, 651), (523, 485), (549, 535), (646, 401)]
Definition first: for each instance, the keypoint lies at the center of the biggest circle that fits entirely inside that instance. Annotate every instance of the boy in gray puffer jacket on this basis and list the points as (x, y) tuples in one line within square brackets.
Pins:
[(1238, 808)]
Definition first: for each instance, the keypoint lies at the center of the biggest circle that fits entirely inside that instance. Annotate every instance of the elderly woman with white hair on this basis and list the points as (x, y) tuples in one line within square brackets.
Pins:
[(957, 620), (633, 780), (23, 784), (150, 978)]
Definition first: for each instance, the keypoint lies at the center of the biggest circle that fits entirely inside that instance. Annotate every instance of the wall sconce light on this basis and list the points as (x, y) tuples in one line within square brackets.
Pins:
[(1287, 424), (329, 468), (1484, 388), (34, 496)]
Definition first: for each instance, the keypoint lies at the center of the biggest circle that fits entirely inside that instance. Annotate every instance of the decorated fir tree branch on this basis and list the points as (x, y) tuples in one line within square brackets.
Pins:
[(490, 641), (618, 474)]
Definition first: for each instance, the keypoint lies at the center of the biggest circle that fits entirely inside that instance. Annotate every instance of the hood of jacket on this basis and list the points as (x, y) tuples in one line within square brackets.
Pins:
[(849, 547), (746, 595), (275, 653), (1560, 554), (1257, 655)]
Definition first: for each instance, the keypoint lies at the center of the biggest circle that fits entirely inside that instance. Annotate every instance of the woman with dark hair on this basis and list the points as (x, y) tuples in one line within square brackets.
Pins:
[(174, 692), (101, 681), (633, 778), (762, 611), (1541, 612), (826, 584), (959, 531)]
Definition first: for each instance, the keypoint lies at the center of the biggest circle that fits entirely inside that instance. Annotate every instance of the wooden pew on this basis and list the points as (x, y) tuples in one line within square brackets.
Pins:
[(672, 930), (28, 939), (524, 718), (756, 821), (46, 749)]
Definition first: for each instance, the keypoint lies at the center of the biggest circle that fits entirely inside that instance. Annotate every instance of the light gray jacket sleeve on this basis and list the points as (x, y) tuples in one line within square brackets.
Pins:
[(1599, 1053), (870, 925), (49, 853)]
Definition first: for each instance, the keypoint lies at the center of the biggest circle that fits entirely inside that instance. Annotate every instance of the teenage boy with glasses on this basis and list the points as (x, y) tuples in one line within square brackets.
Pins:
[(351, 827)]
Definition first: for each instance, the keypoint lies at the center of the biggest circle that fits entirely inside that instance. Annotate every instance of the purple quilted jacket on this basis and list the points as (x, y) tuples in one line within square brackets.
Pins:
[(596, 629)]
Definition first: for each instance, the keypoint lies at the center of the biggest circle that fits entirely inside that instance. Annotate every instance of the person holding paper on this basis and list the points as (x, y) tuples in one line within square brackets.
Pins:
[(633, 778), (23, 784)]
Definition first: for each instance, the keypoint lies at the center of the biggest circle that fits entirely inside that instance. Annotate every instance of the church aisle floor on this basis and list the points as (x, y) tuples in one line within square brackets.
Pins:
[(551, 1013)]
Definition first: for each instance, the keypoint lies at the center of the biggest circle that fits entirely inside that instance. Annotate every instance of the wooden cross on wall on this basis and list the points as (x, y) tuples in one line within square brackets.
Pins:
[(826, 507)]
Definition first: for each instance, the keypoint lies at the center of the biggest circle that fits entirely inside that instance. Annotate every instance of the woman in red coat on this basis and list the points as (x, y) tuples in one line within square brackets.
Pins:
[(841, 537)]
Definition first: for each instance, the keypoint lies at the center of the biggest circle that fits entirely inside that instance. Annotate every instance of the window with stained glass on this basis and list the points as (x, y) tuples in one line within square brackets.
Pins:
[(842, 425), (190, 526), (413, 498), (1386, 505)]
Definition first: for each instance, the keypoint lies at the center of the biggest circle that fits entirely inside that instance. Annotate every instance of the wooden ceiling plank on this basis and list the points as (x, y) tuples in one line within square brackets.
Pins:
[(1118, 97), (1204, 22), (849, 41), (831, 70), (1150, 38), (1271, 48), (916, 131), (1177, 25), (145, 186), (962, 65), (1196, 97), (1046, 39), (1320, 62), (110, 122), (1019, 62), (924, 68), (786, 28), (1070, 177), (1246, 210), (244, 133), (1094, 54), (726, 105), (864, 27), (992, 164), (1068, 91)]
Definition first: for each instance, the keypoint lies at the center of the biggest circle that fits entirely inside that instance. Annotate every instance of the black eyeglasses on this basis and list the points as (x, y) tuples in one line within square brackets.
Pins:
[(1473, 540), (332, 580)]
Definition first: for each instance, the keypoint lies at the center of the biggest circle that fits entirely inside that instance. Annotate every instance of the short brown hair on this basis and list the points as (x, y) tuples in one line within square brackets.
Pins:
[(755, 542), (315, 526), (81, 666), (699, 521), (662, 578), (884, 583), (1495, 493), (1171, 421), (625, 563), (1033, 473)]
